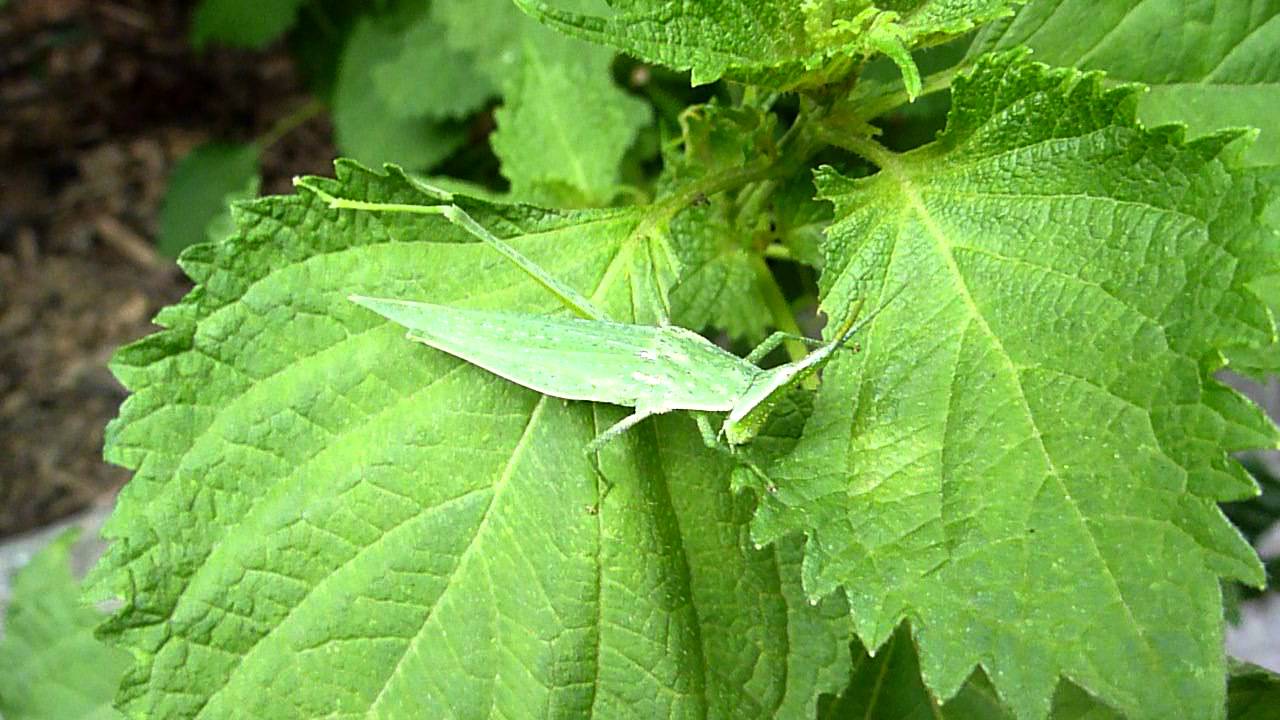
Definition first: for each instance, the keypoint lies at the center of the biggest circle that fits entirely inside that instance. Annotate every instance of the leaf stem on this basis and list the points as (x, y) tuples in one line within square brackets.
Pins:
[(289, 123), (864, 147), (796, 147), (779, 309), (665, 209), (895, 95)]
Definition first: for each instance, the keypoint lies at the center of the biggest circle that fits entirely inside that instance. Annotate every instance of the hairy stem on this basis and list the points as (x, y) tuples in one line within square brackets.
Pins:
[(864, 147), (866, 108)]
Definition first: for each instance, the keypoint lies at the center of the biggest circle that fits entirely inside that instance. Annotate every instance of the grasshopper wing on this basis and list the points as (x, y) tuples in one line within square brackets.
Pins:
[(661, 368)]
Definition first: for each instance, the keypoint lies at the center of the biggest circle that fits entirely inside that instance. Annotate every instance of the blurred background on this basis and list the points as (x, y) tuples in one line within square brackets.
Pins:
[(99, 102)]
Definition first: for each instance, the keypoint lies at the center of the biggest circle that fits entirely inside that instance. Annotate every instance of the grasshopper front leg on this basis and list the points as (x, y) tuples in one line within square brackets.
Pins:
[(772, 342), (712, 440)]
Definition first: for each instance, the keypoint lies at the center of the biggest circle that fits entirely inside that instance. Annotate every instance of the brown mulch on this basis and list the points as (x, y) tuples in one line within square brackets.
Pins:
[(98, 100)]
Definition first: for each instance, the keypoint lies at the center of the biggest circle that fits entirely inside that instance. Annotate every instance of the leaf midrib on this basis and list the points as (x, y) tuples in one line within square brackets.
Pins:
[(467, 552)]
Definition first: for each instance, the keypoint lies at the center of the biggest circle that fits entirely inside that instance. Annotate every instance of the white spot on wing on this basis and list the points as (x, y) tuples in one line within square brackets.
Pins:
[(648, 379), (647, 355)]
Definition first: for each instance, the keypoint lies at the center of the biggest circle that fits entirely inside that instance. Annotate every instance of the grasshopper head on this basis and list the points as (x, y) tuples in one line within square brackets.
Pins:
[(750, 411), (742, 430)]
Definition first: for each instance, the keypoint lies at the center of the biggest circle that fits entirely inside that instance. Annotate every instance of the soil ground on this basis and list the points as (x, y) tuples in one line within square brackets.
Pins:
[(98, 100)]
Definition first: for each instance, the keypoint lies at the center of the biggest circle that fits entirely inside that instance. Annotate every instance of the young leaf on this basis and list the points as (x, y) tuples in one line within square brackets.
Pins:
[(1211, 66), (721, 284), (564, 125), (366, 126), (314, 493), (199, 190), (1025, 458), (781, 44), (53, 667), (243, 23)]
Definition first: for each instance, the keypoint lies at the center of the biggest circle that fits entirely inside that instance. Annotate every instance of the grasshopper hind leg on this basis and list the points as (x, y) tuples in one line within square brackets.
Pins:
[(594, 508), (613, 431), (592, 449)]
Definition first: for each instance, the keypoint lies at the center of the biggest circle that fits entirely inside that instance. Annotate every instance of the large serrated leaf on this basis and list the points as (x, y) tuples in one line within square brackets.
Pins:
[(782, 44), (1211, 65), (329, 520), (1025, 459)]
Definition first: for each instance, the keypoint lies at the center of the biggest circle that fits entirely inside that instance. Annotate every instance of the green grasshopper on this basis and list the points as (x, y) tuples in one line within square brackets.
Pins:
[(654, 369)]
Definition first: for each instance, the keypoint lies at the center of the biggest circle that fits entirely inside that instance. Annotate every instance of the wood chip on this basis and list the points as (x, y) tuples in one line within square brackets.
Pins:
[(129, 244)]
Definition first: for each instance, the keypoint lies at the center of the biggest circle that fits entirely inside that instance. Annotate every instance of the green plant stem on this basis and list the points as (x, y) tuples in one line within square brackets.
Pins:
[(866, 148), (779, 308), (873, 106), (662, 211), (289, 123)]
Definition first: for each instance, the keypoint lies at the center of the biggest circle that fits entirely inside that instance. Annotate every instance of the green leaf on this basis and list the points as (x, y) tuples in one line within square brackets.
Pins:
[(781, 44), (1027, 456), (564, 126), (201, 188), (53, 665), (496, 44), (243, 23), (715, 138), (313, 492), (1253, 694), (366, 126), (1209, 65), (719, 285), (429, 78)]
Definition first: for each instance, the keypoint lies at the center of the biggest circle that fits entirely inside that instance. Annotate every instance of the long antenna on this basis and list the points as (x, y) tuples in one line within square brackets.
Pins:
[(571, 298)]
